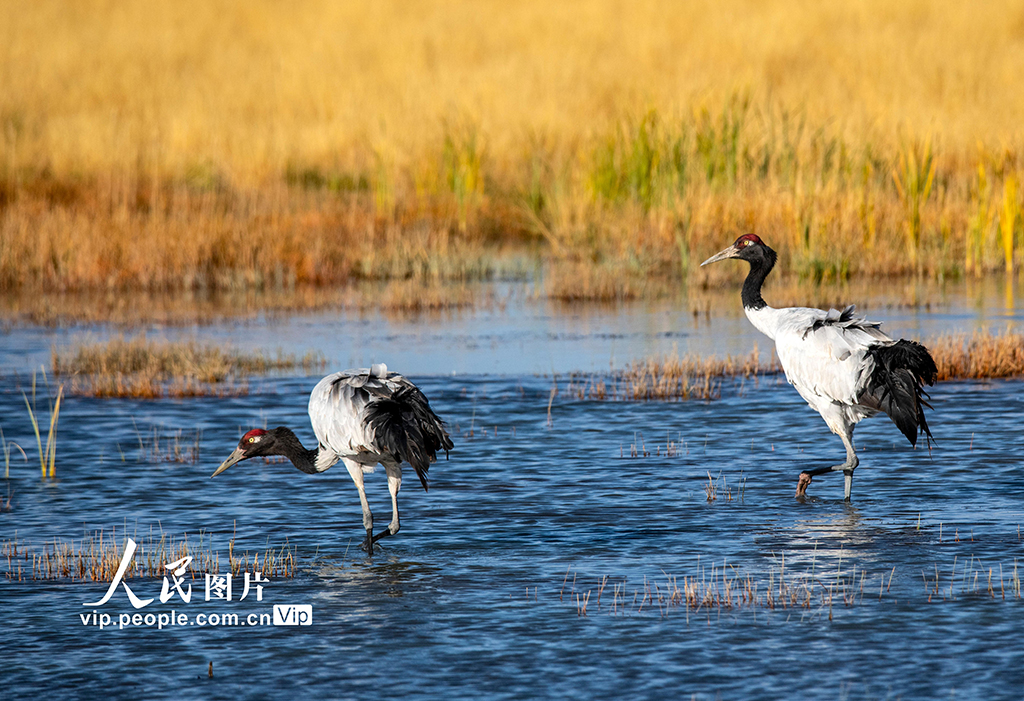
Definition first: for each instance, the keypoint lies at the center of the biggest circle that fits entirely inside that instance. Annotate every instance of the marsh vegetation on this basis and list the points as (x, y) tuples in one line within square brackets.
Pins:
[(96, 557), (981, 356), (125, 164), (371, 180), (139, 367)]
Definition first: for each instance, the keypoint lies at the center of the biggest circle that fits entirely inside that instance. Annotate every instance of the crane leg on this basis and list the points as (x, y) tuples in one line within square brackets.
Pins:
[(355, 470), (394, 484), (846, 468)]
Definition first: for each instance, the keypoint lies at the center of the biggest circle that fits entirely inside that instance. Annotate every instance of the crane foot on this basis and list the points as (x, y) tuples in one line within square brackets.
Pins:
[(368, 542), (802, 484)]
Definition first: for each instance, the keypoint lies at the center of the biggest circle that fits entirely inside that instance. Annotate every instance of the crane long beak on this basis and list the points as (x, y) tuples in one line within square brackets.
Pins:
[(232, 459), (729, 252)]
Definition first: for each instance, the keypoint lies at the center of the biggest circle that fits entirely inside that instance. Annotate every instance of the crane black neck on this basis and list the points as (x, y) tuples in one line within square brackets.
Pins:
[(761, 264), (286, 443)]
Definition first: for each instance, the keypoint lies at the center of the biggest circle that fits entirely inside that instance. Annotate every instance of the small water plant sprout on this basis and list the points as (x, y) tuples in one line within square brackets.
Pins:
[(47, 455)]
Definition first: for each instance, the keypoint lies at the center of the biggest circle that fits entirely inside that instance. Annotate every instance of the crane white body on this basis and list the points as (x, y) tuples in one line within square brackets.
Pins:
[(828, 364)]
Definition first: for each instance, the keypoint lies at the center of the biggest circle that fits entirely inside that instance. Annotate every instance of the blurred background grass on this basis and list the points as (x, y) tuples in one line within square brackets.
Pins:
[(607, 146)]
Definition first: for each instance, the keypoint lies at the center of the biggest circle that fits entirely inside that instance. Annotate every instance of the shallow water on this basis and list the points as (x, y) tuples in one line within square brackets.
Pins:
[(517, 334), (477, 594)]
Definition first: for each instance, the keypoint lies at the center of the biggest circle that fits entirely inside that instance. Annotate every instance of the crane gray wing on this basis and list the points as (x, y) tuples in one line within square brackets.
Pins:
[(337, 407), (377, 412), (824, 353)]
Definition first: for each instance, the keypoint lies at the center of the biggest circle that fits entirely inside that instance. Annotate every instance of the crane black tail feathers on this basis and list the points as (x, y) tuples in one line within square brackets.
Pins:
[(897, 383), (406, 426)]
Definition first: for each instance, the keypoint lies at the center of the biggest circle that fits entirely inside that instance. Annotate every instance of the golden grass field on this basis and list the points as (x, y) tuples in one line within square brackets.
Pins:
[(248, 145)]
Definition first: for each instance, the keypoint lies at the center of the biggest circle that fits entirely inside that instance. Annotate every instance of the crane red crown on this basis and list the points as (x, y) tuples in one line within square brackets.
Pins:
[(753, 238), (254, 432)]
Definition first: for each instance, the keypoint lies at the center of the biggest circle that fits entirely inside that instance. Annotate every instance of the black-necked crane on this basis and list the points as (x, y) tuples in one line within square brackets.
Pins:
[(843, 365), (362, 418)]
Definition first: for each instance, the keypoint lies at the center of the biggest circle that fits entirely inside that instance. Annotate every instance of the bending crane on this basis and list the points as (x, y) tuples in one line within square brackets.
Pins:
[(362, 418)]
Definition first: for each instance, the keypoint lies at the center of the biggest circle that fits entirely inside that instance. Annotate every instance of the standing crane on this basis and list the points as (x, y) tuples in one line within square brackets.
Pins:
[(841, 364), (361, 417)]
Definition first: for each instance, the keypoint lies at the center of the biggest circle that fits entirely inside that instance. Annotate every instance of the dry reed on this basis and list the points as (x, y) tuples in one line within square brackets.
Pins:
[(138, 367), (158, 446), (249, 146), (674, 447), (724, 588), (982, 355), (972, 579), (96, 558), (712, 488), (669, 377)]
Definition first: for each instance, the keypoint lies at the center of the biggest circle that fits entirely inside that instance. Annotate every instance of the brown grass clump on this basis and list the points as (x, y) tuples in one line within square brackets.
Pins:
[(96, 558), (957, 357), (398, 298), (577, 281), (672, 377), (982, 355), (414, 296), (141, 368), (725, 588), (158, 446)]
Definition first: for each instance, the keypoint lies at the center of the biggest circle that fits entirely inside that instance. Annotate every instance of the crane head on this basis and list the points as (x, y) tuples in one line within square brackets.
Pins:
[(746, 247), (255, 442)]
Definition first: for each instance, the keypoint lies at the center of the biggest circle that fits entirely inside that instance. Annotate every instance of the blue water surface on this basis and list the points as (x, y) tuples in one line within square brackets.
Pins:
[(481, 594)]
